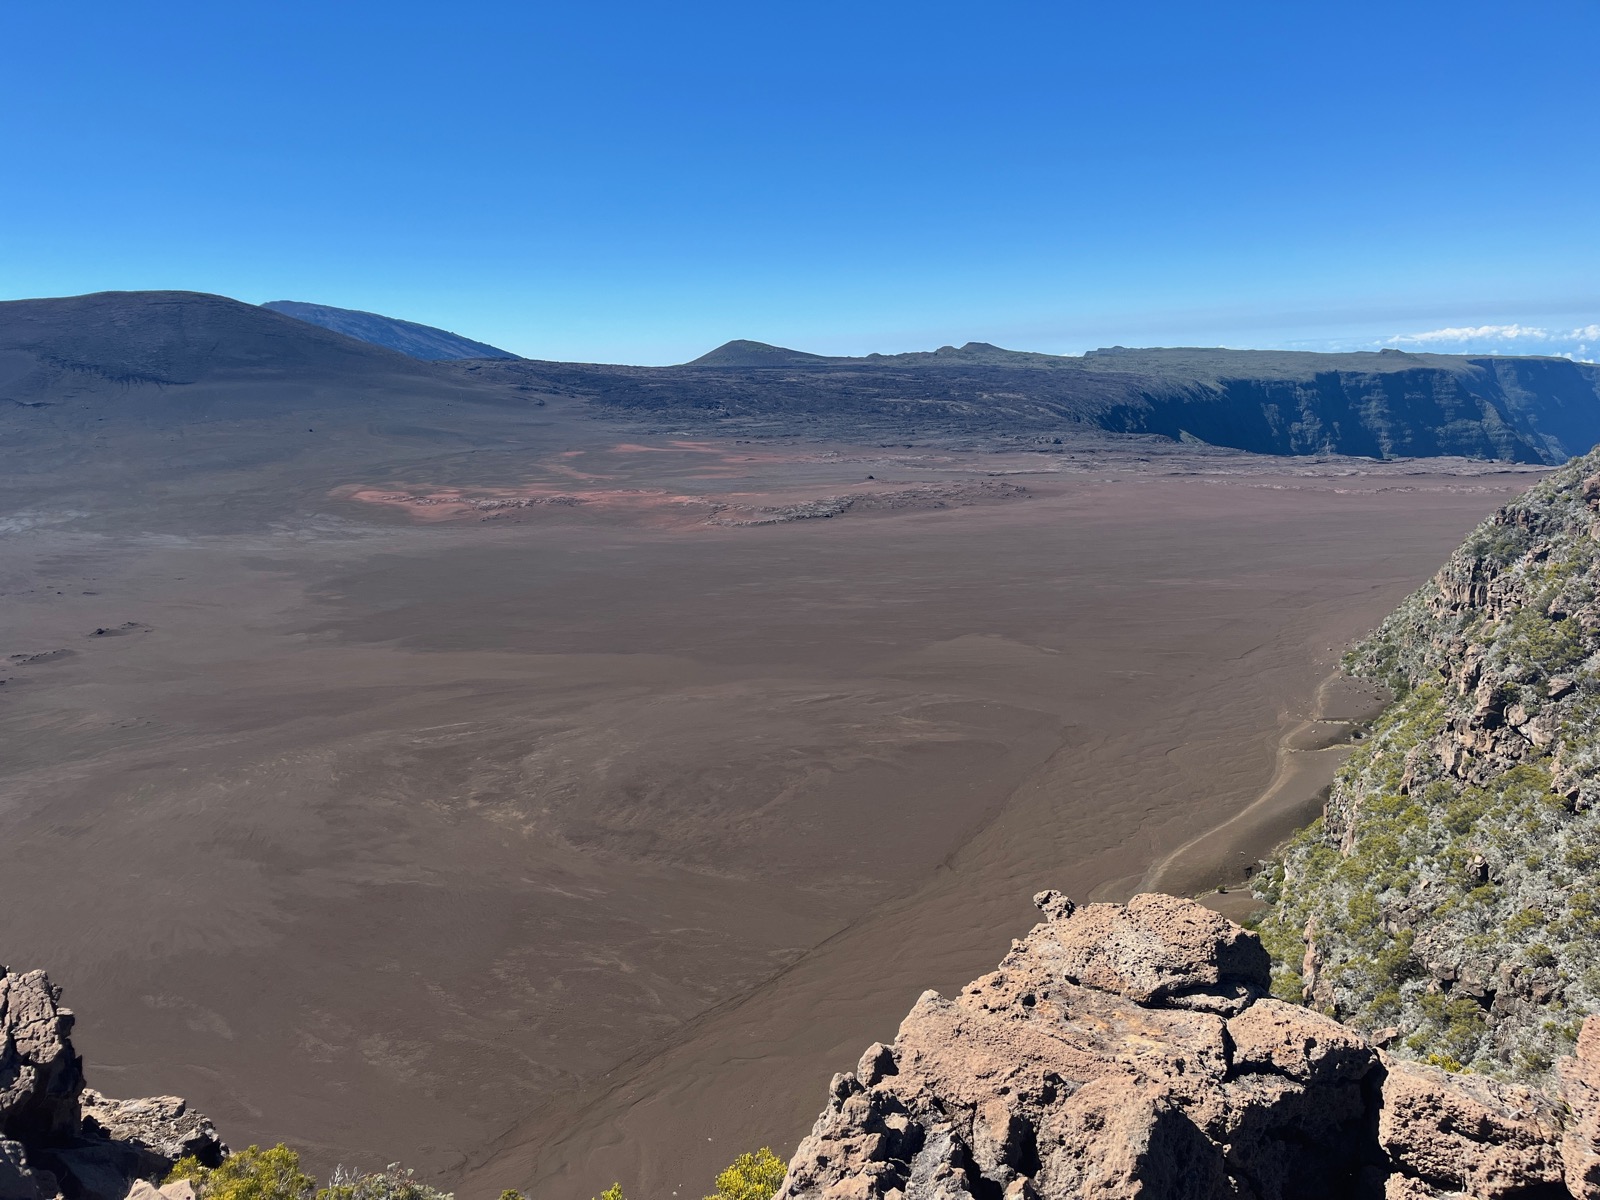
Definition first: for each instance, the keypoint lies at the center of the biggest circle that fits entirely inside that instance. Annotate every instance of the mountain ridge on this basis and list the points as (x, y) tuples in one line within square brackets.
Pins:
[(1212, 362), (1382, 405)]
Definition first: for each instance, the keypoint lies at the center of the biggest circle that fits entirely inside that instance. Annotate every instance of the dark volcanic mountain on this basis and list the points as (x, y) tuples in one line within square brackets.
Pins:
[(419, 341), (152, 399), (170, 360), (1380, 405), (741, 353), (165, 338)]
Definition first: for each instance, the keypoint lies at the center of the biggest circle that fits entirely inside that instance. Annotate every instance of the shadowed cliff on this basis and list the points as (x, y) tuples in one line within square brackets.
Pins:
[(1383, 405)]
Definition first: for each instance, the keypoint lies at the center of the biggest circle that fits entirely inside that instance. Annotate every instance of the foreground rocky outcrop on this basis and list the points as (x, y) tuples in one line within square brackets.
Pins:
[(1133, 1051), (58, 1138), (1451, 890)]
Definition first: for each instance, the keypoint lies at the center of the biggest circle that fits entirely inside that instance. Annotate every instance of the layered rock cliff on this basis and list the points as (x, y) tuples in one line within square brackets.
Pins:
[(57, 1137), (1449, 899), (1134, 1052), (1383, 405)]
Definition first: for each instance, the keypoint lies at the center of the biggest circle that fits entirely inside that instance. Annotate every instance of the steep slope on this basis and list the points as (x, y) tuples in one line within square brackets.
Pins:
[(1452, 890), (408, 337), (164, 338)]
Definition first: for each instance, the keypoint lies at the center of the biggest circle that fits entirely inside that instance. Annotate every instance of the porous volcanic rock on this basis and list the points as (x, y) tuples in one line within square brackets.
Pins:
[(58, 1139), (1580, 1090), (40, 1076), (1130, 1051), (1155, 949), (1465, 1133)]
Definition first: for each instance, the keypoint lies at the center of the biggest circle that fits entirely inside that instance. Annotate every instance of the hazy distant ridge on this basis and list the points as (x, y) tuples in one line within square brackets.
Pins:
[(1379, 405), (408, 337)]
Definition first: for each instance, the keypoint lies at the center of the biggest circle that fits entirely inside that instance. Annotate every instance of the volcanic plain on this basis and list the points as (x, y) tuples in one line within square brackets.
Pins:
[(572, 815), (450, 764)]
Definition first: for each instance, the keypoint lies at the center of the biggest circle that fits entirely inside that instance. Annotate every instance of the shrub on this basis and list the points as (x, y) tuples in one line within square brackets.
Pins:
[(391, 1183), (252, 1174), (751, 1177)]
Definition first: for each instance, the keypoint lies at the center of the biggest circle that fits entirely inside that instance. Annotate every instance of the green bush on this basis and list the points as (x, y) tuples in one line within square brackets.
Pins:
[(252, 1174), (751, 1177)]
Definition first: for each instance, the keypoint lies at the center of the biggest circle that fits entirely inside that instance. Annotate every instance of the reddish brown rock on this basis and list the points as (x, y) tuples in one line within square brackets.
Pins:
[(1580, 1089), (1299, 1043), (1468, 1134), (1127, 1051), (1116, 1137), (1098, 1060), (1153, 949)]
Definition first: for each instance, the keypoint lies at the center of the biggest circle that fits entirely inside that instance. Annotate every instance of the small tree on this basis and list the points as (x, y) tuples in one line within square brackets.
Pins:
[(755, 1176), (253, 1174)]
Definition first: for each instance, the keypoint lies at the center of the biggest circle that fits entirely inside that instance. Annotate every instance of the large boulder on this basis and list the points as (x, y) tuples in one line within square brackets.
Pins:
[(1129, 1051), (58, 1138), (1461, 1133), (158, 1129), (40, 1076), (1154, 950), (1298, 1043)]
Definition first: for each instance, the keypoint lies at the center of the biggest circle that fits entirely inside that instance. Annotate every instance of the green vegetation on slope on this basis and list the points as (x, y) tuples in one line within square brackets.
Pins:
[(275, 1174), (751, 1177), (1451, 892), (252, 1174)]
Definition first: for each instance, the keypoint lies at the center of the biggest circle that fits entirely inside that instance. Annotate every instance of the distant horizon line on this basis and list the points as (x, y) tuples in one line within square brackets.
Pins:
[(1507, 340)]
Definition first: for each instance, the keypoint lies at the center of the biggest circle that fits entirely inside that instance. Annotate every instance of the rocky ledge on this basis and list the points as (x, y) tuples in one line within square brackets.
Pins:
[(58, 1138), (1133, 1051)]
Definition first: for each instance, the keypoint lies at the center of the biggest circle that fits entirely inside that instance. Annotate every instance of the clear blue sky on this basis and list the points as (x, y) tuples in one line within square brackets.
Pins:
[(638, 183)]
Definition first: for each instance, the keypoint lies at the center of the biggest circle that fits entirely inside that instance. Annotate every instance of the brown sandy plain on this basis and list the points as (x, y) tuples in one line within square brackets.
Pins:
[(542, 843)]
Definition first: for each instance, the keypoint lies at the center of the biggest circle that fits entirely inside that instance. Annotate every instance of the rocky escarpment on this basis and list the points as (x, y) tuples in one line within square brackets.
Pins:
[(1450, 895), (58, 1138), (1133, 1052), (1384, 405)]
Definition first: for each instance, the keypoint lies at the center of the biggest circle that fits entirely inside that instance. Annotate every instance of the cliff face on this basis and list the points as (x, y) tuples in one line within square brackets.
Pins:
[(1132, 1052), (1516, 409), (57, 1137), (1452, 890), (1384, 405)]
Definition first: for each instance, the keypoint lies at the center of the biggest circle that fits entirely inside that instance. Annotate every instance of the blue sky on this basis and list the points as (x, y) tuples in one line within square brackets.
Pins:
[(638, 183)]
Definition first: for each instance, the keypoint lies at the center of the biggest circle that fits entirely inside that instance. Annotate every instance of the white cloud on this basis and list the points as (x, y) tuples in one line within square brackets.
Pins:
[(1581, 343)]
